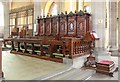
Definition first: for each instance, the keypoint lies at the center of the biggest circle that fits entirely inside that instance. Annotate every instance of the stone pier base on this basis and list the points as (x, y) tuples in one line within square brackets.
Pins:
[(77, 62)]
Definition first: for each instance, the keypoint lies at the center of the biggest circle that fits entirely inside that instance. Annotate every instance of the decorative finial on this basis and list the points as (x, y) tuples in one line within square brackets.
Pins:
[(75, 11), (66, 12), (38, 17)]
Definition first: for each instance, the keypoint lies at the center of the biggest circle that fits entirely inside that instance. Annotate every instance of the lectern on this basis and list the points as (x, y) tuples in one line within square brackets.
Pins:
[(91, 37)]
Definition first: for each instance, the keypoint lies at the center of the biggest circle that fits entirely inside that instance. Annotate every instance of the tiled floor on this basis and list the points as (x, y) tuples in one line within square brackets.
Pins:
[(17, 67), (74, 74), (98, 76)]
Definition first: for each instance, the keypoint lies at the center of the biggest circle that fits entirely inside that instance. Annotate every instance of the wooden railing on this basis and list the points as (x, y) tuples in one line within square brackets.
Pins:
[(79, 48), (70, 47)]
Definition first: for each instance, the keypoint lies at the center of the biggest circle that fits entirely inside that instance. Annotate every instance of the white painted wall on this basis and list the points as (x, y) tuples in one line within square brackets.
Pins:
[(6, 19), (119, 26)]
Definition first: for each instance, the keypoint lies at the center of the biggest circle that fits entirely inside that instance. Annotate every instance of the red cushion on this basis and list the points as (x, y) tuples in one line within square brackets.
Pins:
[(107, 62)]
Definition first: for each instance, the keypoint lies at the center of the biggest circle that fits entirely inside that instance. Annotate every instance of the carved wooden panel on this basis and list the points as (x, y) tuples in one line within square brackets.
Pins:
[(88, 23), (41, 27), (81, 26), (48, 26), (63, 26), (55, 26), (72, 25)]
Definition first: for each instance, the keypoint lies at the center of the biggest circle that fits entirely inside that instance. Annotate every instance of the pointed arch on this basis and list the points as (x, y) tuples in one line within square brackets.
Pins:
[(47, 6)]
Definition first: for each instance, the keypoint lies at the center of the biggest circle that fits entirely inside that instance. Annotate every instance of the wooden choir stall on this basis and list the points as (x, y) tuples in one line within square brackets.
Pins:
[(58, 37)]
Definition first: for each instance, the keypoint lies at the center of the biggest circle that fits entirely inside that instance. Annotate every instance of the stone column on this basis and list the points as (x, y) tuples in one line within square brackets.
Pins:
[(113, 25), (6, 19), (98, 11), (119, 27), (37, 12)]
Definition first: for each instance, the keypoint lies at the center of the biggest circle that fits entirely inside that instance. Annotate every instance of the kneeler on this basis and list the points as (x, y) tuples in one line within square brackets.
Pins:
[(105, 67)]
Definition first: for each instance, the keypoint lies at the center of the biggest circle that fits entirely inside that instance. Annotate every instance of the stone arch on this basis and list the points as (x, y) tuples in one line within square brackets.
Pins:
[(47, 6)]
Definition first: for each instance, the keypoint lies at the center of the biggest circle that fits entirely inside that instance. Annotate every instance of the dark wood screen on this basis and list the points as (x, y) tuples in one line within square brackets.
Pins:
[(88, 23), (41, 27), (55, 26), (48, 26), (65, 35), (81, 26), (71, 24), (63, 25)]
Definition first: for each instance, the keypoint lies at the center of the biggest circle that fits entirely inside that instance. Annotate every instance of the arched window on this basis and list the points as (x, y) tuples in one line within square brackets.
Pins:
[(54, 9), (87, 6)]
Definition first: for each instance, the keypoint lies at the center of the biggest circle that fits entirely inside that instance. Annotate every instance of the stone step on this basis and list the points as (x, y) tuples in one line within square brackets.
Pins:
[(56, 73), (74, 74)]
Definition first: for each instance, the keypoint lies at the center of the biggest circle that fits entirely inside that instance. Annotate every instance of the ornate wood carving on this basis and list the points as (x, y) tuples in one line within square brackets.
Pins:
[(55, 26), (48, 26), (71, 24), (88, 22), (81, 26), (59, 36), (41, 27), (63, 25)]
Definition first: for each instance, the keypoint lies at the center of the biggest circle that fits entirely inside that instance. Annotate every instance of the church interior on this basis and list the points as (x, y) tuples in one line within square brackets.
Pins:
[(59, 40)]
